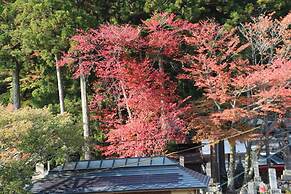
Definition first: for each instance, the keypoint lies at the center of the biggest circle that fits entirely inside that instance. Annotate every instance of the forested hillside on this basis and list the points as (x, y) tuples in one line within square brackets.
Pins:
[(151, 74)]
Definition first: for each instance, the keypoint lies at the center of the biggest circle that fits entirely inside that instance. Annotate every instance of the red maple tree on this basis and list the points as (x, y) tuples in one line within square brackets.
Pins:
[(243, 80), (135, 99), (236, 90)]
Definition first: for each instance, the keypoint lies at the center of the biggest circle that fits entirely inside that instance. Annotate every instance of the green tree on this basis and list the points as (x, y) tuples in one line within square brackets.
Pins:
[(29, 136), (10, 57), (229, 12), (33, 35)]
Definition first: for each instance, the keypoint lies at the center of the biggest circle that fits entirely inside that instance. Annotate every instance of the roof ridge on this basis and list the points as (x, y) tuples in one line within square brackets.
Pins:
[(144, 157)]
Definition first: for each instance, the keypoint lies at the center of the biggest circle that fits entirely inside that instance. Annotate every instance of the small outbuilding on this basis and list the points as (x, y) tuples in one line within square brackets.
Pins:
[(152, 175)]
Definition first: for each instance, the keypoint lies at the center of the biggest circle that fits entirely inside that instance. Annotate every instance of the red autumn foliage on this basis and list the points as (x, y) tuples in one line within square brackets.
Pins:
[(142, 112), (240, 91), (136, 99)]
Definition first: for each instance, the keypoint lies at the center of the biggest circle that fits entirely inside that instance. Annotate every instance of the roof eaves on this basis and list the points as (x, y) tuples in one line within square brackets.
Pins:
[(202, 178)]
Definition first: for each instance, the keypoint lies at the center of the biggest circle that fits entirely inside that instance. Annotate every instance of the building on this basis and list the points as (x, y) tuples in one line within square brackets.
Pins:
[(152, 175)]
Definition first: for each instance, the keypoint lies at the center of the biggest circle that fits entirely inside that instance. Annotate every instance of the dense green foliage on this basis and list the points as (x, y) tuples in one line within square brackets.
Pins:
[(34, 33), (229, 12), (29, 136), (14, 177)]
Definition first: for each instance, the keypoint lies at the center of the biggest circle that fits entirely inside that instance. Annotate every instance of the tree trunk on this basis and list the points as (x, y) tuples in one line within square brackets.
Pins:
[(126, 101), (248, 166), (163, 122), (60, 88), (16, 87), (248, 170), (222, 169), (119, 109), (214, 163), (231, 168), (85, 117)]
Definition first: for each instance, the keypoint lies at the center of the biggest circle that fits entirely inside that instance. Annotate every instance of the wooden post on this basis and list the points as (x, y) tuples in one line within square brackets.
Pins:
[(85, 117), (273, 182)]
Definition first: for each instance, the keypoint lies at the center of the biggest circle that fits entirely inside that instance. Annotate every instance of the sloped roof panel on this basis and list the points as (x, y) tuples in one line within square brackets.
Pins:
[(123, 179)]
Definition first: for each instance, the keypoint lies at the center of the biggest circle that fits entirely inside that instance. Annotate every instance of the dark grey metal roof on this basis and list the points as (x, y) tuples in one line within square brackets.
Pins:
[(114, 163), (158, 173)]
